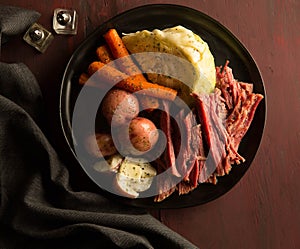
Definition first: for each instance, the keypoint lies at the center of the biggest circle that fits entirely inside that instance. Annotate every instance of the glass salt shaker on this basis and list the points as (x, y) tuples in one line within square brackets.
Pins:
[(38, 37), (65, 21)]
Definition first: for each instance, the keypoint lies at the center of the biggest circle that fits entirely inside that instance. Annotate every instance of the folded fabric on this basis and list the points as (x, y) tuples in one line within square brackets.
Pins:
[(38, 207), (14, 21)]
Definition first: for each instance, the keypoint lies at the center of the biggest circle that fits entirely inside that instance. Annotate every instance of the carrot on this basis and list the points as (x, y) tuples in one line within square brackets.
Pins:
[(83, 78), (131, 83), (119, 50), (104, 54), (115, 44), (111, 74)]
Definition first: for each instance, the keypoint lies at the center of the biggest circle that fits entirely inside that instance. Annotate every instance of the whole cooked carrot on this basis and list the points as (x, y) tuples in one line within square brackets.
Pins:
[(115, 44), (118, 50), (104, 54), (131, 83)]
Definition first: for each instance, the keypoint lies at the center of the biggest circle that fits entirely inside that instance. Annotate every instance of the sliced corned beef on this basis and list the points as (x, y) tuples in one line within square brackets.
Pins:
[(165, 183), (165, 125), (189, 145), (212, 113), (241, 104)]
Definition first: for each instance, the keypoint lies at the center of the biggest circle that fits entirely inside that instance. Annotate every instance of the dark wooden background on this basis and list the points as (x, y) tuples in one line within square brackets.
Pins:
[(263, 209)]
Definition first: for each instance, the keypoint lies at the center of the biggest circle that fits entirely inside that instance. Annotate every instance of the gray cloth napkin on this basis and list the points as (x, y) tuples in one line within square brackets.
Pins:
[(14, 21), (38, 207)]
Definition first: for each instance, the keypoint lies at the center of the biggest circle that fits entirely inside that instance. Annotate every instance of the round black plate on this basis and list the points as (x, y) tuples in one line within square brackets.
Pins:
[(224, 46)]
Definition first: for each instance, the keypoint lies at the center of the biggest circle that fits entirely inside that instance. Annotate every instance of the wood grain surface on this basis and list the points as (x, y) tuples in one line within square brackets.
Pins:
[(263, 209)]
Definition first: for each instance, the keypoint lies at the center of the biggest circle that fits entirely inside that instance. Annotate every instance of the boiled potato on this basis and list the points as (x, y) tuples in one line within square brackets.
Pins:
[(134, 176), (111, 164), (143, 134), (119, 106), (100, 145)]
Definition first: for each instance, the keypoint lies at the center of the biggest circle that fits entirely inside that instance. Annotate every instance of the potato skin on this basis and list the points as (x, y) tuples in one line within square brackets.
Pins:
[(119, 107), (100, 145), (143, 134)]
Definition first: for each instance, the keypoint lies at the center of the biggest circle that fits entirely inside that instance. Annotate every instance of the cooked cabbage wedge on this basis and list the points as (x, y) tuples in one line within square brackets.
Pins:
[(181, 42)]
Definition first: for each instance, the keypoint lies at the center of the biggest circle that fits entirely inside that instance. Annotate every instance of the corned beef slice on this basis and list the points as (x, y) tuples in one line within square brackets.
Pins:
[(165, 125), (166, 183), (193, 164), (241, 113), (212, 112), (189, 146)]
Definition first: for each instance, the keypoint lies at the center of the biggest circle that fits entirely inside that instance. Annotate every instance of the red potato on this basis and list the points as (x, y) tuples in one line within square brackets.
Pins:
[(100, 145), (143, 134), (119, 106)]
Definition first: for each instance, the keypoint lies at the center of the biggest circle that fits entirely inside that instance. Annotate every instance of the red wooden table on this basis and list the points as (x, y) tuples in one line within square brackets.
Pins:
[(263, 209)]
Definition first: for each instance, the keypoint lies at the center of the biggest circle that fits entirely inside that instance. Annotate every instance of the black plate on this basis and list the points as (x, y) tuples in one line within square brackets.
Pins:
[(223, 44)]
